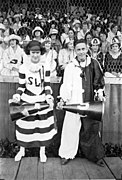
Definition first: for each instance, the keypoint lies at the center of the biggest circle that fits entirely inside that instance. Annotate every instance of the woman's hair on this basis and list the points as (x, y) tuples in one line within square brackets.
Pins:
[(32, 44), (88, 33)]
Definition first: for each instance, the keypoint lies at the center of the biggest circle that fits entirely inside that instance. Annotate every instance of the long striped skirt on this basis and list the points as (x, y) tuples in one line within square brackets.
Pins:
[(36, 130)]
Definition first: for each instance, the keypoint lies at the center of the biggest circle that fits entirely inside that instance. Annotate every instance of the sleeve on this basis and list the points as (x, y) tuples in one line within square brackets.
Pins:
[(6, 61), (60, 57), (22, 80), (98, 82), (66, 87), (48, 89)]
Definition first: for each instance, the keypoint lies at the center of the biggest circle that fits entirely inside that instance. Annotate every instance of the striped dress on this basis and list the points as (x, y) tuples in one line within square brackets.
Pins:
[(37, 129)]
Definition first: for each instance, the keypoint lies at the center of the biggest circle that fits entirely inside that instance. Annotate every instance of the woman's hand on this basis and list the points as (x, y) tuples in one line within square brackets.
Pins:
[(60, 104), (50, 102), (16, 98)]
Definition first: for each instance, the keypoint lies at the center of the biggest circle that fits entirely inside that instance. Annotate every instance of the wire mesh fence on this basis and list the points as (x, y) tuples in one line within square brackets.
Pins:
[(113, 7)]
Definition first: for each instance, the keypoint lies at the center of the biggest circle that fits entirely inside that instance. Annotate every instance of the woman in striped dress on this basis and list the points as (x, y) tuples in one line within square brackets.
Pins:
[(38, 129)]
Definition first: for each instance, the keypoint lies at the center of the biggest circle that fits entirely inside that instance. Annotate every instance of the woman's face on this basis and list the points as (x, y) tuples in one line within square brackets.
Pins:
[(103, 37), (37, 33), (114, 30), (13, 42), (70, 45), (66, 29), (5, 22), (115, 48), (95, 48), (88, 38), (53, 36), (48, 45), (35, 56), (71, 34)]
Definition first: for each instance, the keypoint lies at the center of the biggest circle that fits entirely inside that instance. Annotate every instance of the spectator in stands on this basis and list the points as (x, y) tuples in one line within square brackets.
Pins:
[(1, 19), (88, 38), (8, 29), (71, 36), (95, 52), (1, 53), (55, 42), (76, 25), (113, 60), (85, 29), (38, 15), (64, 35), (17, 23), (81, 78), (2, 30), (104, 43), (113, 32), (37, 34), (34, 88), (12, 57), (50, 56), (66, 55)]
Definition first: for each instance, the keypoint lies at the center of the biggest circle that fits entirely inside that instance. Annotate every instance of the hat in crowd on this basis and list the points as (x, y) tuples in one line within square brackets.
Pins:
[(95, 41), (14, 37), (76, 22), (53, 32), (17, 16), (46, 40), (2, 27), (115, 40), (37, 28)]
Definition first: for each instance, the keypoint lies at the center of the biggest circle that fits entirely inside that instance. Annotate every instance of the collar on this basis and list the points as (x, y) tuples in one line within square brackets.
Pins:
[(82, 64)]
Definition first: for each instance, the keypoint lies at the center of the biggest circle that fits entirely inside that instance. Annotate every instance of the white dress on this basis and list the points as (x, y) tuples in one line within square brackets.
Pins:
[(12, 59), (72, 92)]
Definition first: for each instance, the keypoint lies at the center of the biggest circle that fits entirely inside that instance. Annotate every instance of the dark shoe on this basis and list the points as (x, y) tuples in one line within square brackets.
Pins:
[(64, 161), (100, 163)]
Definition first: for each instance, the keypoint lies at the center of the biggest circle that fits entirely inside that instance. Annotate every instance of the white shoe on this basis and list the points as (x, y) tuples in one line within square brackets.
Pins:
[(43, 158), (19, 156)]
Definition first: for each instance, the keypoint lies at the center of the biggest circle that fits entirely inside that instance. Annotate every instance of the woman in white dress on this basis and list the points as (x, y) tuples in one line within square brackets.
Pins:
[(12, 57)]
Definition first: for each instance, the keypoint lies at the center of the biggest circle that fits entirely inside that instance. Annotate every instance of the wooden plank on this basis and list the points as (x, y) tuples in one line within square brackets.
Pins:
[(112, 124), (96, 172), (8, 168), (40, 171), (115, 165), (28, 169), (52, 169), (74, 170)]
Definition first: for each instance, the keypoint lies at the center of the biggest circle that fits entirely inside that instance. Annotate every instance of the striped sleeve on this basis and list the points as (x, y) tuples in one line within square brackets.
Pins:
[(48, 89), (21, 87)]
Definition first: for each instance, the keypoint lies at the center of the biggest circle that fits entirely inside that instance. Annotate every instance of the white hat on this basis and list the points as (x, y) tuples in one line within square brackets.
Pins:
[(95, 41), (17, 15), (53, 31), (37, 28), (76, 22), (2, 26), (14, 36), (115, 40)]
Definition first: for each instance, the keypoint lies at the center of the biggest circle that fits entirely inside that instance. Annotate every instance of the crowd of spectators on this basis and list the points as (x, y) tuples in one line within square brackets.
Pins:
[(57, 33)]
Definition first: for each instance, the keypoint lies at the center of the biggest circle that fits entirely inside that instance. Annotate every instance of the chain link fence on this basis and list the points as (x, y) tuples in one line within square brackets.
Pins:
[(112, 7)]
